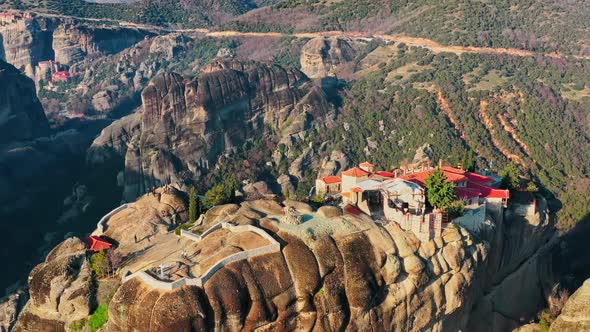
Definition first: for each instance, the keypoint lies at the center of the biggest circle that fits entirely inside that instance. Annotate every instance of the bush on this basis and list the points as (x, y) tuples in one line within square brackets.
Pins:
[(99, 264), (455, 209), (181, 227), (98, 318)]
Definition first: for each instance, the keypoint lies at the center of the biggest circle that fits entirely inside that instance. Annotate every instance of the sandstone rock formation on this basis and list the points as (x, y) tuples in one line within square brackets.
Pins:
[(26, 42), (322, 56), (333, 272), (21, 114), (187, 125), (575, 315), (60, 288)]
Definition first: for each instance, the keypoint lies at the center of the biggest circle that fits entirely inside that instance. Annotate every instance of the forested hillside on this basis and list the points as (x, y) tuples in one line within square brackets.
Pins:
[(547, 25), (156, 12), (532, 111)]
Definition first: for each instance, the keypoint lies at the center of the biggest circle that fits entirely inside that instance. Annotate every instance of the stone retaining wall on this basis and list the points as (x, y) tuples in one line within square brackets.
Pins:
[(100, 227), (273, 247)]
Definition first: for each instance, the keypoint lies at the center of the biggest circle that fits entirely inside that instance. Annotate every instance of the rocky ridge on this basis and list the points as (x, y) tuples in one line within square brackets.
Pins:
[(26, 42), (226, 105)]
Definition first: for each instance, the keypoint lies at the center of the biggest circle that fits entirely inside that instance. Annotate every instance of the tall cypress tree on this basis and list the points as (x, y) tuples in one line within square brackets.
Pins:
[(192, 205)]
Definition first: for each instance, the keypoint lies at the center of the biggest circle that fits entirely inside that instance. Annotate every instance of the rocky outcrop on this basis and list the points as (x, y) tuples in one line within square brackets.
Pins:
[(575, 315), (322, 56), (60, 288), (26, 42), (73, 42), (21, 114), (353, 274), (187, 125), (520, 266)]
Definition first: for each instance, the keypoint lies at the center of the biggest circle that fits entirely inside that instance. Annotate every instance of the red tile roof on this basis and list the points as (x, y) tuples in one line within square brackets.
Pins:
[(385, 174), (470, 176), (420, 177), (355, 172), (356, 190), (331, 179), (489, 192), (467, 192), (367, 164), (97, 243)]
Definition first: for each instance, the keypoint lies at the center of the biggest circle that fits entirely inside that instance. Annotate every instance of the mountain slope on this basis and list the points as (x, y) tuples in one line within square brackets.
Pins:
[(548, 25)]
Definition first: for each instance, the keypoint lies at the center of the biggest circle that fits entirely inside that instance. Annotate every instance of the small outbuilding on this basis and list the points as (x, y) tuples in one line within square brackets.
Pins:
[(97, 243)]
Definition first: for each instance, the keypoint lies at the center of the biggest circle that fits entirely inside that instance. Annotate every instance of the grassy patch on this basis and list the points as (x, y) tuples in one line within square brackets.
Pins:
[(570, 91), (98, 318), (488, 82), (404, 72)]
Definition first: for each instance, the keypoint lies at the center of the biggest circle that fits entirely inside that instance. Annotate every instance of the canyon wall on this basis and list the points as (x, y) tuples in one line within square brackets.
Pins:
[(26, 42), (186, 125)]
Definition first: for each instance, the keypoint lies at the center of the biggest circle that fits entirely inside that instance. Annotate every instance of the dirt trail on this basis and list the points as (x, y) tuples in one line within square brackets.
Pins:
[(487, 122), (508, 128), (398, 38), (446, 108)]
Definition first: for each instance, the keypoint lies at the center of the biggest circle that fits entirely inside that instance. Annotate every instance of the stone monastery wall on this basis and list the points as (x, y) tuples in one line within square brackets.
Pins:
[(100, 227), (273, 247)]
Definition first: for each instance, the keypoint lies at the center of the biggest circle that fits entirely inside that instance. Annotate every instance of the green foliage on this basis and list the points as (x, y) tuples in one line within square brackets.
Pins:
[(99, 264), (98, 318), (223, 193), (77, 326), (532, 187), (468, 161), (455, 209), (439, 192), (194, 205), (510, 177), (182, 227)]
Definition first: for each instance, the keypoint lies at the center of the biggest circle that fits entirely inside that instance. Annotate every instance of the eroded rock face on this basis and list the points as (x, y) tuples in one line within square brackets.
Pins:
[(333, 278), (321, 57), (21, 113), (187, 125), (575, 315), (73, 42), (24, 43), (61, 288)]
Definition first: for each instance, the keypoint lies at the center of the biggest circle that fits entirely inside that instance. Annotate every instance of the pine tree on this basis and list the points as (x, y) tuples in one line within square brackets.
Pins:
[(510, 177), (193, 206), (439, 192)]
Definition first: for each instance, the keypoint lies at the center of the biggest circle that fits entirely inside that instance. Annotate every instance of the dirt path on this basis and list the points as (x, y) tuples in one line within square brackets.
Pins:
[(487, 122), (398, 38)]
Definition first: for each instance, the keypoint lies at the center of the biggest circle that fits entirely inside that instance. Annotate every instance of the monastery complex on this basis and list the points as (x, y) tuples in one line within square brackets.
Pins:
[(400, 196)]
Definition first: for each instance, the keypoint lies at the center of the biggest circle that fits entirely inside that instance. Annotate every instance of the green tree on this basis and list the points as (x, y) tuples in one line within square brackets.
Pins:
[(99, 263), (468, 161), (510, 177), (439, 192), (193, 205), (223, 193), (532, 187)]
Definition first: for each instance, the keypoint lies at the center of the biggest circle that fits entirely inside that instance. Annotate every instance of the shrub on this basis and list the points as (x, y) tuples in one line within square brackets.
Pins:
[(455, 209), (98, 318), (99, 264)]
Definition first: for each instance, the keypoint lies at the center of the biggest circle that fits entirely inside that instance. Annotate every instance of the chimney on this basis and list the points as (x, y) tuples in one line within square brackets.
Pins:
[(440, 163), (460, 166)]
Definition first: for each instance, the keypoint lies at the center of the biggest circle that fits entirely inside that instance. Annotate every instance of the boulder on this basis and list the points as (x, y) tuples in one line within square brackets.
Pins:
[(328, 211)]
